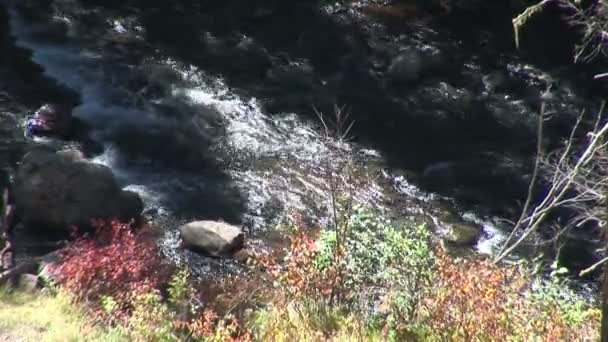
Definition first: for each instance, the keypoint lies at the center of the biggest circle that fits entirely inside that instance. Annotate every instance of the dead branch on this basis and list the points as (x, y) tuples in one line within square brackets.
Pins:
[(577, 183)]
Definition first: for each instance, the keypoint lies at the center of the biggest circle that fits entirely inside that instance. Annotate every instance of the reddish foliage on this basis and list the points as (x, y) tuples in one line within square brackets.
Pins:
[(479, 301), (115, 261), (209, 326), (297, 273)]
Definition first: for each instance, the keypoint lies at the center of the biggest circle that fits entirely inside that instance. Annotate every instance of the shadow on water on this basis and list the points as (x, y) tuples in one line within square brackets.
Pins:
[(443, 97), (446, 99), (159, 149)]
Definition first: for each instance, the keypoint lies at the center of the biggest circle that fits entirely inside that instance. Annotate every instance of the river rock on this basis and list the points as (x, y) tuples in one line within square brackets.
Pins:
[(211, 237), (47, 267), (28, 282), (294, 76), (406, 67), (495, 81), (54, 191), (412, 64), (462, 234)]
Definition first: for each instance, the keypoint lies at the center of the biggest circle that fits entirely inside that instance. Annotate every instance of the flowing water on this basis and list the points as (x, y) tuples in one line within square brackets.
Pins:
[(196, 147)]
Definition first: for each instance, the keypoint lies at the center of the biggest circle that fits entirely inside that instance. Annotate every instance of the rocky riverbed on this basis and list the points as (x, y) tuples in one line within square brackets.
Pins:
[(213, 119)]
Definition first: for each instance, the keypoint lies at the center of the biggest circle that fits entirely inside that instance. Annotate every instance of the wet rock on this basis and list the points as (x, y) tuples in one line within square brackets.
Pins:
[(295, 75), (173, 142), (156, 80), (9, 134), (34, 9), (495, 80), (442, 173), (211, 237), (72, 154), (244, 256), (54, 191), (490, 174), (462, 234), (413, 63), (47, 267), (249, 56), (243, 55), (537, 38), (444, 96), (406, 67), (11, 278), (28, 282)]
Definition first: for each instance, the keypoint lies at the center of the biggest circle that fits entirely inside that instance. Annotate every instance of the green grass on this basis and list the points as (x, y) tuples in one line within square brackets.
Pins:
[(38, 317)]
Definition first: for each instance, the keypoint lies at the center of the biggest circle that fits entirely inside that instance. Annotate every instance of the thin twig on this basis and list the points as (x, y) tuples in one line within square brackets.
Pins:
[(532, 185), (592, 267), (575, 183)]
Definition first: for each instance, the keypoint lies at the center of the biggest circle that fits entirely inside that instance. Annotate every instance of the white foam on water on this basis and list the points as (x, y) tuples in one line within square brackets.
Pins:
[(493, 237), (248, 128), (248, 131)]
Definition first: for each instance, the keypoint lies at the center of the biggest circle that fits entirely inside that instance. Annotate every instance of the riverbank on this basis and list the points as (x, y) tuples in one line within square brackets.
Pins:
[(218, 123), (390, 283), (223, 130)]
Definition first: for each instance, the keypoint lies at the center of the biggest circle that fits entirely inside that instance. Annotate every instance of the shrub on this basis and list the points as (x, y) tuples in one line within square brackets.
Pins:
[(210, 328), (113, 263), (151, 319), (476, 300), (380, 257), (347, 271), (327, 283), (471, 301), (181, 317), (121, 274), (296, 274), (556, 296), (181, 294)]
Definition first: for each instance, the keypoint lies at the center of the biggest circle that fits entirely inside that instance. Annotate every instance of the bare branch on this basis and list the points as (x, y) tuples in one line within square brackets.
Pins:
[(592, 267), (578, 183), (539, 150)]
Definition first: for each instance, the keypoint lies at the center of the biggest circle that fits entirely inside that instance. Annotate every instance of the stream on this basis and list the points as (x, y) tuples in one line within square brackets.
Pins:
[(444, 126)]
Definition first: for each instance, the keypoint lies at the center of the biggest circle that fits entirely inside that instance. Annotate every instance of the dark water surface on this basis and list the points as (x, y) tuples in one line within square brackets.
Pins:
[(215, 121)]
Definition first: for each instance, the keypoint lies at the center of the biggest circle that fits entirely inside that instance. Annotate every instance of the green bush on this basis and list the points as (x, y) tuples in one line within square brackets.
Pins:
[(556, 294), (151, 319), (181, 293), (378, 258)]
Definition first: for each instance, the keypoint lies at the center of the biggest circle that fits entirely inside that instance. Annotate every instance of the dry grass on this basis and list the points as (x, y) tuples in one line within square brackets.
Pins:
[(36, 317), (310, 321)]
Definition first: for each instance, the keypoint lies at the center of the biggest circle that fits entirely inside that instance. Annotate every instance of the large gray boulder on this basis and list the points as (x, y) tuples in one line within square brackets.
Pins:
[(211, 237), (59, 190)]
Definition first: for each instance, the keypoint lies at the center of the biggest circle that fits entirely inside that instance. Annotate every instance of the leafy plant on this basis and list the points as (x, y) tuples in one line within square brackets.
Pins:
[(109, 305), (114, 262), (151, 319), (348, 272), (476, 300), (378, 255), (555, 294), (181, 293)]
